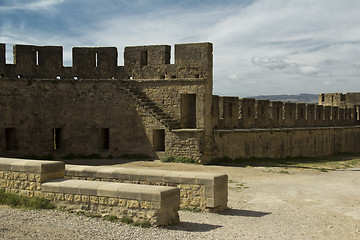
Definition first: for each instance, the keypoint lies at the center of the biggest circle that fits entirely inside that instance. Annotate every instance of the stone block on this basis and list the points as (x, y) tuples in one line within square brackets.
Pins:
[(196, 182)]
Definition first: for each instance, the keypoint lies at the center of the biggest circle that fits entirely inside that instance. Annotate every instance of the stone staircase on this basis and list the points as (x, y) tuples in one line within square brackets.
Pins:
[(145, 103)]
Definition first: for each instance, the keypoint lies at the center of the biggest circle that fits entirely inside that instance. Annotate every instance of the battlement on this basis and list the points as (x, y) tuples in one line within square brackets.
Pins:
[(140, 62), (247, 113), (350, 99)]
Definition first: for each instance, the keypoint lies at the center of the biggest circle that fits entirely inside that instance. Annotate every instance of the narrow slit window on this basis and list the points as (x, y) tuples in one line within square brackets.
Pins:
[(37, 58), (144, 58), (104, 138), (96, 59), (159, 139), (10, 139), (322, 97), (57, 138), (230, 109)]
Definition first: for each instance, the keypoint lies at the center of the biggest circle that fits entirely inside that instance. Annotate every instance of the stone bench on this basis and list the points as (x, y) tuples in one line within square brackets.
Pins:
[(24, 177), (205, 191), (157, 204)]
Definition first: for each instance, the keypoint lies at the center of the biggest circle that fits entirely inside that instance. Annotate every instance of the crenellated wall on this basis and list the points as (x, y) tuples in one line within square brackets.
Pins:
[(235, 113), (148, 106), (98, 107), (142, 62)]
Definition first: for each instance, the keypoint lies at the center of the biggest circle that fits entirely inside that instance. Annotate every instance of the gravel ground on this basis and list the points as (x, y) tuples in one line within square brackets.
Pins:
[(265, 203)]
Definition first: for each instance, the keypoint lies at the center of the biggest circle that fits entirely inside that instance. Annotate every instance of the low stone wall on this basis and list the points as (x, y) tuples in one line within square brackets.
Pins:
[(286, 142), (158, 205), (25, 177), (205, 191)]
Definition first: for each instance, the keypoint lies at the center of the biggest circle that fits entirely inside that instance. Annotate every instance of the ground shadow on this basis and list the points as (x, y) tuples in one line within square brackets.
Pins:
[(193, 227), (289, 162), (99, 162), (244, 213)]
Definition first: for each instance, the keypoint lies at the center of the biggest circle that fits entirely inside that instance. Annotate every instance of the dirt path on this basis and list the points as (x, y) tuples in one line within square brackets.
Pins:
[(274, 203)]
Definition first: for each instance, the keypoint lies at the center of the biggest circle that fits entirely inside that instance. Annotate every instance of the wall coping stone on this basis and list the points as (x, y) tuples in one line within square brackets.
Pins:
[(110, 189), (31, 166), (188, 130), (281, 129)]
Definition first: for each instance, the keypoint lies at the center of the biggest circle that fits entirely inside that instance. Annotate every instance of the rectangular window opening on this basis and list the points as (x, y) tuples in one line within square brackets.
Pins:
[(159, 139), (188, 110), (10, 139), (323, 97), (230, 109), (57, 138), (144, 58), (96, 59), (104, 138)]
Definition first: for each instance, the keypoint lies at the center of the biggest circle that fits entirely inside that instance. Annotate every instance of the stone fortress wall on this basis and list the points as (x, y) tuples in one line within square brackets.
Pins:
[(98, 107), (152, 107), (239, 113)]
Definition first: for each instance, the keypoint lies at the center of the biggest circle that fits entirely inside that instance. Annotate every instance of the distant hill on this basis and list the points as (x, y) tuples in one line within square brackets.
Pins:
[(300, 98)]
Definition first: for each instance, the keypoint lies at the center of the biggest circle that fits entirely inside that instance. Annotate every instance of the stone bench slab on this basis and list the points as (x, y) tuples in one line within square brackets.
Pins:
[(215, 184)]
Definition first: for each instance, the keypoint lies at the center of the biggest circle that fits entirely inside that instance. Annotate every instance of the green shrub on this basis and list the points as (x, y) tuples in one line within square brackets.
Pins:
[(178, 159)]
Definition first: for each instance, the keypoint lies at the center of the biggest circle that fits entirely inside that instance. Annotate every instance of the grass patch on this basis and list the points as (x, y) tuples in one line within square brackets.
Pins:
[(80, 213), (143, 224), (111, 218), (17, 201), (272, 171), (178, 159), (126, 220), (237, 185), (80, 156), (191, 209)]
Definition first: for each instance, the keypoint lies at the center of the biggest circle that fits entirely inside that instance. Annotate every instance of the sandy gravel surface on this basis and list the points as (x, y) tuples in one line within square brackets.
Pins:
[(265, 203)]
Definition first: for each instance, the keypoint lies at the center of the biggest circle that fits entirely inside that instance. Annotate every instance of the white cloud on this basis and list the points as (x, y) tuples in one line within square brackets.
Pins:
[(308, 43), (35, 5), (281, 65)]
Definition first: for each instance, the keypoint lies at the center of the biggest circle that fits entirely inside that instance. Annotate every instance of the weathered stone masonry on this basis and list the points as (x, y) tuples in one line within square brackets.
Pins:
[(149, 106), (158, 205), (204, 191)]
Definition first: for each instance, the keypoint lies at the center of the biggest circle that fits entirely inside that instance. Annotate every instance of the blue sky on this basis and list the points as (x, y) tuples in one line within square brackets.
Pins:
[(260, 46)]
